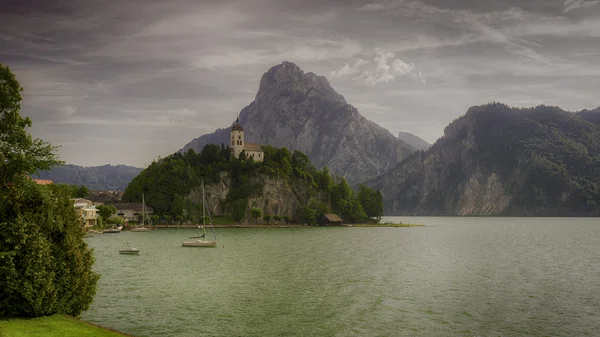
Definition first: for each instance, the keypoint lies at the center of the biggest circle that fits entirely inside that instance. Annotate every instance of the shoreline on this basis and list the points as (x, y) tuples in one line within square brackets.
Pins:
[(282, 226)]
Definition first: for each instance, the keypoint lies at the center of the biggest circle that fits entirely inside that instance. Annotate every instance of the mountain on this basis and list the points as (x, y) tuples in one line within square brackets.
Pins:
[(592, 116), (414, 141), (301, 111), (497, 160), (105, 177)]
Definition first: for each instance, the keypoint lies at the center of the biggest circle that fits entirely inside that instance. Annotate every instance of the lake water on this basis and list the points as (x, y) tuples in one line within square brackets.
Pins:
[(454, 277)]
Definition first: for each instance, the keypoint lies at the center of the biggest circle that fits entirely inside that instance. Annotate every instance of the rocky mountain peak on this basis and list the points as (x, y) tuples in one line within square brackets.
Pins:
[(301, 111), (288, 79)]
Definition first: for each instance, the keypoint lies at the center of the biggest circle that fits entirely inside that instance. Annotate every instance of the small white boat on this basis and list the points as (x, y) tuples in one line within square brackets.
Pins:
[(198, 243), (129, 250), (140, 229), (111, 230)]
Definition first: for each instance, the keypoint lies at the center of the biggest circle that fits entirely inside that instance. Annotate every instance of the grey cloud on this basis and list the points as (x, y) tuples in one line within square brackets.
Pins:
[(152, 72)]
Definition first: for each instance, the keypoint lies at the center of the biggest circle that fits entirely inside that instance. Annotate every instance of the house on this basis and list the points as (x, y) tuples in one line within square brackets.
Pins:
[(130, 211), (238, 144), (330, 220), (86, 211), (42, 181)]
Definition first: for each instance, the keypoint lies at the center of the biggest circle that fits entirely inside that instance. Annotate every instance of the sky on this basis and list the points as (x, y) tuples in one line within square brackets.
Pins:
[(123, 82)]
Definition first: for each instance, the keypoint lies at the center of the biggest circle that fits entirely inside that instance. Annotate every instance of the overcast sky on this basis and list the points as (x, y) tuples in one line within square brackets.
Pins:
[(123, 81)]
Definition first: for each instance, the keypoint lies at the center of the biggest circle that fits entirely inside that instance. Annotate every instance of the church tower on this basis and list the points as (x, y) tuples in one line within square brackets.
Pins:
[(237, 138)]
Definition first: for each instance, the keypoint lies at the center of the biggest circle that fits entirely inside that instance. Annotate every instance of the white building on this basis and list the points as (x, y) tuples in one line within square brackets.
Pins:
[(238, 144)]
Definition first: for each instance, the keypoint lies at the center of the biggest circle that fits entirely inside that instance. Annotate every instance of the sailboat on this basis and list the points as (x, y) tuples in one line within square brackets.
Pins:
[(142, 228), (200, 241), (129, 250)]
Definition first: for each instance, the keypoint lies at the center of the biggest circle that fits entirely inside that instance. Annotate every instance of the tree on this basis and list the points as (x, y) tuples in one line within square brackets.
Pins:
[(106, 211), (80, 192), (267, 218), (371, 201), (239, 209), (20, 154), (45, 265), (256, 213)]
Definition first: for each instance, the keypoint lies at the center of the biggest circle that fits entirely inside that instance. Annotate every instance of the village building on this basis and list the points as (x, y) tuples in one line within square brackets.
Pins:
[(131, 211), (238, 144), (330, 220), (43, 181), (104, 197), (87, 211)]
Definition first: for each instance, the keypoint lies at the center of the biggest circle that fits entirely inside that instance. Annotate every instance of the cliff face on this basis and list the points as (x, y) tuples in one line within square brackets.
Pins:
[(498, 160), (301, 111), (277, 197)]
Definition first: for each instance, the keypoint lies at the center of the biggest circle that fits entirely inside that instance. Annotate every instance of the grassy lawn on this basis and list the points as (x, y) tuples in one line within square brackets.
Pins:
[(389, 225), (51, 326)]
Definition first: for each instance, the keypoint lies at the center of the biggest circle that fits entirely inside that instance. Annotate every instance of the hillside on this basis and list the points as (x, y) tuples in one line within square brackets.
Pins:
[(301, 111), (592, 116), (497, 160), (285, 185), (105, 177)]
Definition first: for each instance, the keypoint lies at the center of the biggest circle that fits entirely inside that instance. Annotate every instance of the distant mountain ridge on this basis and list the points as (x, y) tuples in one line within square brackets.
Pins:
[(105, 177), (498, 160), (301, 111), (414, 141)]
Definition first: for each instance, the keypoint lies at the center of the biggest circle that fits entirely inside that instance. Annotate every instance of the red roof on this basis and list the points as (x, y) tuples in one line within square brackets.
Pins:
[(42, 181)]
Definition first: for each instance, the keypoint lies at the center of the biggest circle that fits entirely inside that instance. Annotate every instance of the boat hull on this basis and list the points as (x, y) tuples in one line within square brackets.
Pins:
[(140, 229), (199, 243), (129, 251), (108, 231)]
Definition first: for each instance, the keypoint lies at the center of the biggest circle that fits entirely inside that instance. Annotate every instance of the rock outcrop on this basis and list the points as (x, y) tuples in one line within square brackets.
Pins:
[(277, 197), (301, 111), (497, 160)]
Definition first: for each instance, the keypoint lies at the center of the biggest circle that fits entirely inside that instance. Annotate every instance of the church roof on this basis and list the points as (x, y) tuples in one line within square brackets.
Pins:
[(237, 127), (252, 147)]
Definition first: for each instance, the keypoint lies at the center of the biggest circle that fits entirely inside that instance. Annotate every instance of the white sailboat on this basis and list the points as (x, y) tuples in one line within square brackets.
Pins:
[(200, 241), (142, 228), (129, 250)]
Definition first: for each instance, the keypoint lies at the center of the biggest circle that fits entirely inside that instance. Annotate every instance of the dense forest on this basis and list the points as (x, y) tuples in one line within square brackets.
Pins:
[(499, 160), (168, 182)]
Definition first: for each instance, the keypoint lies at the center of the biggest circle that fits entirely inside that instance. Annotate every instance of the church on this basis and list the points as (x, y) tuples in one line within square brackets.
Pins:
[(238, 144)]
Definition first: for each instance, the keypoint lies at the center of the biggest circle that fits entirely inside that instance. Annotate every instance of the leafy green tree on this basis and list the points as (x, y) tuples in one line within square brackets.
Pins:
[(116, 220), (371, 201), (239, 209), (106, 211), (179, 218), (80, 192), (267, 218), (276, 218), (256, 213), (45, 265), (20, 154)]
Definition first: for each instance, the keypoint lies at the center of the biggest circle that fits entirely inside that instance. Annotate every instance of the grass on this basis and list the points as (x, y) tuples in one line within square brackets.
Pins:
[(52, 326), (389, 225)]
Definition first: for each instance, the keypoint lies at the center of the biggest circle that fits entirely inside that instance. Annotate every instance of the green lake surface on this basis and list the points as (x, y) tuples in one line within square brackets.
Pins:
[(454, 277)]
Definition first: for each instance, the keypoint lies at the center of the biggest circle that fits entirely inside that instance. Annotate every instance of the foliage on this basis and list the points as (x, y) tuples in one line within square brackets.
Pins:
[(267, 218), (371, 201), (115, 220), (45, 266), (168, 182), (256, 213), (20, 153), (106, 211)]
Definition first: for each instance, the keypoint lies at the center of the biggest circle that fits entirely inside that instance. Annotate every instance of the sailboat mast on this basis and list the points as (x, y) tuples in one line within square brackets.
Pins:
[(143, 210), (203, 208)]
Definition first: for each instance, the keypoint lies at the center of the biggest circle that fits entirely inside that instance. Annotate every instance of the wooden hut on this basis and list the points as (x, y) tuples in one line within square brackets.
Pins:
[(330, 220)]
